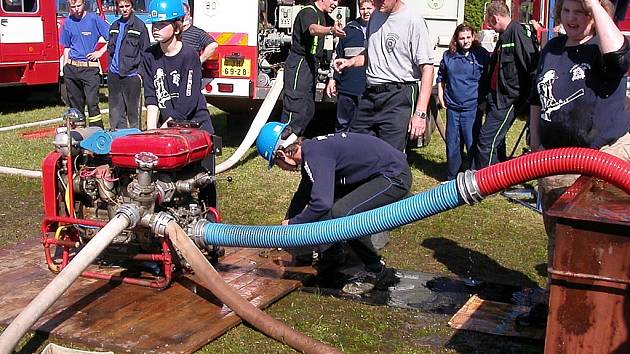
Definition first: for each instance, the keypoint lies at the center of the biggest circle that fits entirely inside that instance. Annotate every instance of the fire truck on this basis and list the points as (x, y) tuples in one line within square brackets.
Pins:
[(30, 53), (254, 39)]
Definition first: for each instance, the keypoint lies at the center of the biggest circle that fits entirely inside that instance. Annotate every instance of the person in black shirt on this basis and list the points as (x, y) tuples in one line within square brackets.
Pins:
[(128, 38), (512, 67), (172, 73), (307, 46), (196, 38), (342, 174)]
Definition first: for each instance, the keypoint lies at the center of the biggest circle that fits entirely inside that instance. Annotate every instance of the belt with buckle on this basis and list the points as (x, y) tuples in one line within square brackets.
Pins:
[(84, 64), (388, 86)]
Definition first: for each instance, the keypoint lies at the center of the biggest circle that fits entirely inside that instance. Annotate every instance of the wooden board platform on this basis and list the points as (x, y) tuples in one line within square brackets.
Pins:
[(493, 317), (133, 319)]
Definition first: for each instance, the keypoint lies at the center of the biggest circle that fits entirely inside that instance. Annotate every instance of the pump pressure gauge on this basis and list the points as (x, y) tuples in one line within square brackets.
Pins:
[(435, 4)]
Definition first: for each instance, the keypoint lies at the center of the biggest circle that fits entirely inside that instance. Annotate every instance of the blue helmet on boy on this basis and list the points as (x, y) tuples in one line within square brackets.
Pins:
[(269, 140), (165, 10)]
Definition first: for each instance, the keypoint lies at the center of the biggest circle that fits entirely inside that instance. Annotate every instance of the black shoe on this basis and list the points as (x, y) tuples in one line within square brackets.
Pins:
[(536, 317)]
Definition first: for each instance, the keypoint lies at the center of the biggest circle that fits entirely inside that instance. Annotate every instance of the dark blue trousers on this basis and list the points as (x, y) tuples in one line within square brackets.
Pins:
[(462, 129), (346, 111)]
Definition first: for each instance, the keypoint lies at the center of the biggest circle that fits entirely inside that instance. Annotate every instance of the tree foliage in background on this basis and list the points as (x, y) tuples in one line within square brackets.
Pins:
[(473, 13)]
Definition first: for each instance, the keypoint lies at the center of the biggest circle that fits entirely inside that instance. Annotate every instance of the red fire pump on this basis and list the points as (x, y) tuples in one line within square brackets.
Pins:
[(158, 170)]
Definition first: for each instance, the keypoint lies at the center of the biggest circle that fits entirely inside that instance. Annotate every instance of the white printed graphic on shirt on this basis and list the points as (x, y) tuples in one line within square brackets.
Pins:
[(175, 77), (189, 83), (161, 93), (579, 71), (549, 102)]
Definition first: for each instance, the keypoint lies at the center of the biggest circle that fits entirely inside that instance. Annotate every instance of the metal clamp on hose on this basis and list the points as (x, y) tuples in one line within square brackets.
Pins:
[(131, 212), (159, 222), (468, 188), (195, 232)]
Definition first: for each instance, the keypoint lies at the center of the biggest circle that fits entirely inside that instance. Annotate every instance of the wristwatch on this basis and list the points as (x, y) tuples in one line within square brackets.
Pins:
[(421, 114)]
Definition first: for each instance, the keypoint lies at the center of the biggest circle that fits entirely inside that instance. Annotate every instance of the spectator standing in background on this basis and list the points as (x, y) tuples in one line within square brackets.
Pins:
[(512, 68), (349, 85), (311, 25), (578, 100), (399, 53), (128, 40), (81, 68), (461, 89), (196, 38)]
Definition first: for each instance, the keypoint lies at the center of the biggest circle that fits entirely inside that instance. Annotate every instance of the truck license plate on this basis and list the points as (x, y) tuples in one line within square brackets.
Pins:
[(232, 68)]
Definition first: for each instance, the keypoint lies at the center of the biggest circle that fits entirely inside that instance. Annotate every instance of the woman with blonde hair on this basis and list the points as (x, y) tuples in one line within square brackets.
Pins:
[(579, 100)]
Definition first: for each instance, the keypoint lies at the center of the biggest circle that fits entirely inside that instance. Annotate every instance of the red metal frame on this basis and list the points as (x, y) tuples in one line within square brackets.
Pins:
[(69, 240)]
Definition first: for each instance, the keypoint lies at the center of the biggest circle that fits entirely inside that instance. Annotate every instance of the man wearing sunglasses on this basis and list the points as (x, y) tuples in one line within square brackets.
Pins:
[(128, 40), (79, 37)]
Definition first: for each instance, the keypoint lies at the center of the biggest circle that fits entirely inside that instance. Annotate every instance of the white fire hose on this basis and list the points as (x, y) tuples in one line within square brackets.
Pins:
[(42, 302), (261, 118)]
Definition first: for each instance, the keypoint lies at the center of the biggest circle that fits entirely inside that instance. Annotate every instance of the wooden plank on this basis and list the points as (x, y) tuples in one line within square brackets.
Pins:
[(493, 317), (134, 319)]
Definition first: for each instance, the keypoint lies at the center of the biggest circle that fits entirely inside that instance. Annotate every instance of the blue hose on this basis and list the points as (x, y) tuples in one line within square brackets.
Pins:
[(434, 201)]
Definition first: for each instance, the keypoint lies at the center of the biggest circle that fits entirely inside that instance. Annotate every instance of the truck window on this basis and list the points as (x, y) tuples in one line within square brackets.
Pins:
[(20, 5)]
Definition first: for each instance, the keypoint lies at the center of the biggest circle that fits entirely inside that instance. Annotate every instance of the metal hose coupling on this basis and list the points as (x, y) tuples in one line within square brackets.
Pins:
[(196, 231), (159, 221), (468, 188), (131, 212)]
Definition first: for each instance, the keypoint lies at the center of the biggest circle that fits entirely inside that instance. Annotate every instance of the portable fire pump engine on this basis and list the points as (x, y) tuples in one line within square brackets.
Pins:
[(91, 173)]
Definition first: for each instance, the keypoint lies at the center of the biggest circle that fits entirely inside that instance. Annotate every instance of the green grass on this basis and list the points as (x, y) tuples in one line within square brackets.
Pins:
[(495, 241)]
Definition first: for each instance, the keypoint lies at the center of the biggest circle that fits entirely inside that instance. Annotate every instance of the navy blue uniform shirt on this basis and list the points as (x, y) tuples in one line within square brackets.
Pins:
[(343, 159), (464, 78)]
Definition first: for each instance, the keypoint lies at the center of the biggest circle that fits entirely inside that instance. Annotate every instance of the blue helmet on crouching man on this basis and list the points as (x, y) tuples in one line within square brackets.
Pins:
[(273, 135)]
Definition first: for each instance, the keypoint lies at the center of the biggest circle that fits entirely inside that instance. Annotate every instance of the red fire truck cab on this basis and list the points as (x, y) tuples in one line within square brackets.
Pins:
[(29, 53)]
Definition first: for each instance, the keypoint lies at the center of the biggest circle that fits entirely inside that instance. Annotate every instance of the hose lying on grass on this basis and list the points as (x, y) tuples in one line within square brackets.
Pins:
[(469, 188)]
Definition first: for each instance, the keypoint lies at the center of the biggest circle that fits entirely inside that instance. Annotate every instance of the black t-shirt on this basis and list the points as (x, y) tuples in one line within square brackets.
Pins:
[(583, 100), (302, 42), (197, 38), (174, 85)]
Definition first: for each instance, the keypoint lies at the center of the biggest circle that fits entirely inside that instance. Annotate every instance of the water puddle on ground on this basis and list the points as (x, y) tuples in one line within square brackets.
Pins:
[(424, 291)]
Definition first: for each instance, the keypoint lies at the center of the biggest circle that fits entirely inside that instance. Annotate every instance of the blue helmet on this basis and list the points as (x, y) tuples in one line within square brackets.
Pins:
[(269, 140), (165, 10)]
